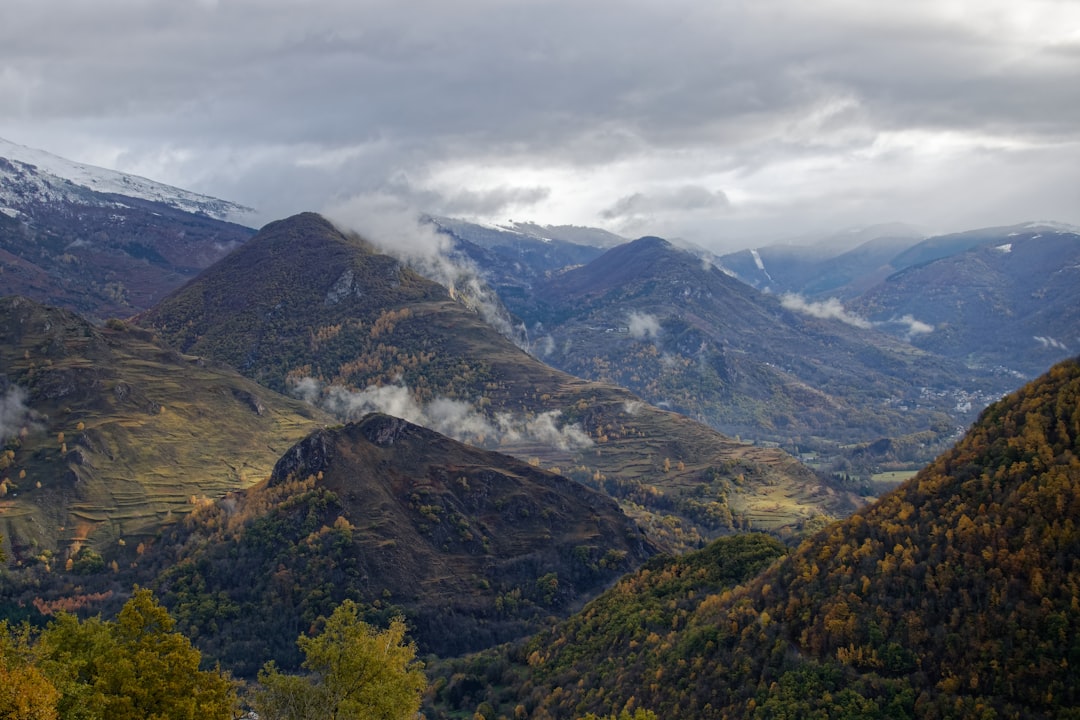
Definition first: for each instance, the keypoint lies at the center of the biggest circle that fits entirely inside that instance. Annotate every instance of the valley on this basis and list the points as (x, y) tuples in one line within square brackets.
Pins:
[(650, 487)]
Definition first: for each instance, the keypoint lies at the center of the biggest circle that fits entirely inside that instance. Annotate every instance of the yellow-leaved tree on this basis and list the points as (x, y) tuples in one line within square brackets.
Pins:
[(354, 671), (25, 692), (132, 668)]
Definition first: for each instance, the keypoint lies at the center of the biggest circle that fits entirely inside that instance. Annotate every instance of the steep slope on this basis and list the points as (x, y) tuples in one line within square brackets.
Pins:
[(106, 432), (955, 596), (102, 243), (687, 336), (48, 178), (1007, 297), (475, 547), (306, 308)]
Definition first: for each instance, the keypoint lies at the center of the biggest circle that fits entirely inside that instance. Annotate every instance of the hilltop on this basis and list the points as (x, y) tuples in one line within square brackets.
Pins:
[(473, 547)]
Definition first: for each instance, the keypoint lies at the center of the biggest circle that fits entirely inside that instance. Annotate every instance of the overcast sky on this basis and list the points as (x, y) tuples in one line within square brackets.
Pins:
[(721, 122)]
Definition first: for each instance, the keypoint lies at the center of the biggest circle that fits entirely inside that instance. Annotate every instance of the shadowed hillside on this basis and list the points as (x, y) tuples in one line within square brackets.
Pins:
[(474, 547)]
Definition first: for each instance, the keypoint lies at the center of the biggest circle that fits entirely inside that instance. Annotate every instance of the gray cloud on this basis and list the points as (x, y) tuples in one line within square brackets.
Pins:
[(684, 199), (946, 113)]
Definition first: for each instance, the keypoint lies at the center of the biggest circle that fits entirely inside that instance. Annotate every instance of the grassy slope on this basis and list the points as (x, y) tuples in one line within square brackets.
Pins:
[(144, 430)]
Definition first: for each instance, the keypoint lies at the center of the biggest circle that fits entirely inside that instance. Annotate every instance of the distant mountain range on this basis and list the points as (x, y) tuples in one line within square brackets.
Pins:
[(1000, 297), (991, 307), (684, 335)]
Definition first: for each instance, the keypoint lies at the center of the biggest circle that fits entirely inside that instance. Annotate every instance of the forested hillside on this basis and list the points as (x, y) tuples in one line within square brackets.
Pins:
[(472, 547), (956, 596)]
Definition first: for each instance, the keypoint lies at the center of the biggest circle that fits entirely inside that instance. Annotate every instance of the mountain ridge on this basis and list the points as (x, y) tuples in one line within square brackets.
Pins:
[(109, 185), (306, 308), (473, 546), (953, 596)]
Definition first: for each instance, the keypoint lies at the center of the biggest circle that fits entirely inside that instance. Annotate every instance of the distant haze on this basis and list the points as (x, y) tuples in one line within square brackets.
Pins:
[(725, 124)]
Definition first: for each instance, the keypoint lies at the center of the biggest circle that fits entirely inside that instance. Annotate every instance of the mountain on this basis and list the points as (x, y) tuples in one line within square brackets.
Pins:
[(955, 596), (998, 297), (514, 257), (105, 432), (99, 242), (685, 335), (305, 308), (47, 178), (834, 266), (472, 546)]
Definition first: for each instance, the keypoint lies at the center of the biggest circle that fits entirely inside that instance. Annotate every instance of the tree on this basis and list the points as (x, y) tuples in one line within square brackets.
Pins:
[(354, 671), (25, 692), (132, 669)]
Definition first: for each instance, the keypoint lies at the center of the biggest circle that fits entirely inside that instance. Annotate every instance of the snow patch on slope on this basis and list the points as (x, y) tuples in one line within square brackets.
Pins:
[(37, 172)]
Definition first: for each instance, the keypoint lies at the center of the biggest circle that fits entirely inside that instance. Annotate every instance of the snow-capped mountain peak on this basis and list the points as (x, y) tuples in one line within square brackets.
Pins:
[(32, 175)]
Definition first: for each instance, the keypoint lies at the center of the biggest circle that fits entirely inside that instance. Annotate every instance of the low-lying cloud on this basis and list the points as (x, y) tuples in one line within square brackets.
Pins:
[(1050, 343), (835, 310), (396, 228), (826, 309), (643, 325), (688, 198), (914, 327), (14, 413), (453, 418)]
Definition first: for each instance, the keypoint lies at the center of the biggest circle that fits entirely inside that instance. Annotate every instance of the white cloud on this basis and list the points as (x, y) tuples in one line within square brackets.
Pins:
[(14, 413), (454, 418), (643, 325), (825, 309), (914, 327), (1049, 342), (395, 227)]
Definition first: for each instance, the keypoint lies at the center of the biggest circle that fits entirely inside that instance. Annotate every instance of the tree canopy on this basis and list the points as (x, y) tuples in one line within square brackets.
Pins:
[(354, 671)]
